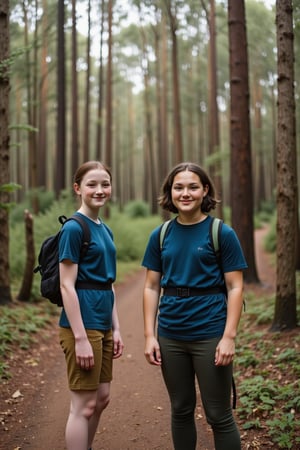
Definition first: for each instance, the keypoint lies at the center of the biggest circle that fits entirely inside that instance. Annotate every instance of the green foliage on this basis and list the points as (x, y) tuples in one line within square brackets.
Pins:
[(137, 208), (261, 363), (8, 188), (45, 200), (270, 241), (131, 235), (19, 327)]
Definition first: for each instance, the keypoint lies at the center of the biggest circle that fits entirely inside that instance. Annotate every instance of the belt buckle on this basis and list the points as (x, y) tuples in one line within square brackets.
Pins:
[(183, 292)]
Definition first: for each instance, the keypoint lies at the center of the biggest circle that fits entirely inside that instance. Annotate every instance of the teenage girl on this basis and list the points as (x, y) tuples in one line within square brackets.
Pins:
[(199, 308), (89, 324)]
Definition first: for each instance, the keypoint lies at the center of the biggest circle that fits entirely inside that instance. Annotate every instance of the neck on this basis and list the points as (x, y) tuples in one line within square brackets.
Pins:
[(92, 215), (191, 220)]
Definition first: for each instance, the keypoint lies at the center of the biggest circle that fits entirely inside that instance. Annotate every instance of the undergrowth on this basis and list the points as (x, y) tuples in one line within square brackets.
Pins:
[(19, 327), (267, 367)]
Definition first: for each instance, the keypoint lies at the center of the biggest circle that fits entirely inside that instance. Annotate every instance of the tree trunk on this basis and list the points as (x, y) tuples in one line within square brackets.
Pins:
[(214, 134), (74, 97), (99, 151), (43, 113), (109, 81), (25, 291), (178, 153), (60, 162), (285, 316), (86, 142), (240, 157), (5, 294)]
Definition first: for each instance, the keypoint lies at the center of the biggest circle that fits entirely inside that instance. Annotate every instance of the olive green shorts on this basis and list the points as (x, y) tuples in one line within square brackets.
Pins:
[(102, 344)]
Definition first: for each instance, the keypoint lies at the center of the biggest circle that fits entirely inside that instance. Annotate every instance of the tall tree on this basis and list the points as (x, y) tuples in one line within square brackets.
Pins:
[(242, 210), (109, 82), (60, 169), (172, 13), (5, 294), (285, 306), (43, 96), (86, 133), (74, 97), (99, 125)]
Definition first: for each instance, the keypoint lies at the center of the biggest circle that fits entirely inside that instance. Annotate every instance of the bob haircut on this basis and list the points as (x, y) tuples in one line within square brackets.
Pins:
[(165, 199), (86, 167)]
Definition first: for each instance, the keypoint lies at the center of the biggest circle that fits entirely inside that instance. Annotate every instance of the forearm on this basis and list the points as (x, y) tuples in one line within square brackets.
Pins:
[(115, 318), (72, 309), (234, 309), (150, 306)]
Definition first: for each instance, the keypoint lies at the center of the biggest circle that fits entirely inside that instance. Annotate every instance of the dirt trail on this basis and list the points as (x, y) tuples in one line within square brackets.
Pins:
[(138, 416)]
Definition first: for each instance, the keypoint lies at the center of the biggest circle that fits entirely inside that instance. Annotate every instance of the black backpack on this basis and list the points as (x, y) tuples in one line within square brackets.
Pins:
[(48, 260)]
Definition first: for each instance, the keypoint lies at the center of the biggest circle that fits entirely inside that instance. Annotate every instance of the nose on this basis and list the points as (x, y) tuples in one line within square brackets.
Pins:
[(185, 192), (99, 188)]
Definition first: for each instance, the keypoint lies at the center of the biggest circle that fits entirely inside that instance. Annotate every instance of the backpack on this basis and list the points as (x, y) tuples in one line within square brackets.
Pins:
[(48, 261)]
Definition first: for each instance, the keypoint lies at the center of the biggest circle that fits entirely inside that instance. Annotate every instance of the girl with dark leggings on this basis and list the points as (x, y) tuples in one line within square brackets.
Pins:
[(199, 303)]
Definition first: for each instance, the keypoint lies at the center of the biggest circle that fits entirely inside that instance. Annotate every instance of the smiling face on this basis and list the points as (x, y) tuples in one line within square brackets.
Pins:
[(94, 189), (187, 193)]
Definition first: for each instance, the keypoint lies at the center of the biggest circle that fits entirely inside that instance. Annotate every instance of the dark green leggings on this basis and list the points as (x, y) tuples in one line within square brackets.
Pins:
[(181, 362)]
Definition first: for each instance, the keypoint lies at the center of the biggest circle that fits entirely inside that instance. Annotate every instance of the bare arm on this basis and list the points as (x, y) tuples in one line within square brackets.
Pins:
[(150, 306), (68, 275), (118, 343), (226, 348)]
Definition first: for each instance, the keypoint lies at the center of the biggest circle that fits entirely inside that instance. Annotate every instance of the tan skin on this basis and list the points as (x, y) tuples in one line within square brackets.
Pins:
[(187, 195)]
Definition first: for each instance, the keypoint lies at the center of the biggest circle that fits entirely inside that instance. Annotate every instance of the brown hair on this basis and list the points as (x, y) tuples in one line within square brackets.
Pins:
[(86, 167), (165, 199)]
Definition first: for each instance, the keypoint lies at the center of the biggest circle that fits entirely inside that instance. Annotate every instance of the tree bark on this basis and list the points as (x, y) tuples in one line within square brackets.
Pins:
[(242, 210), (5, 294), (25, 291), (285, 316)]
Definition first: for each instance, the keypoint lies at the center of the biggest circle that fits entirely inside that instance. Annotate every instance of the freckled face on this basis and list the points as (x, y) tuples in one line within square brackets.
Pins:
[(188, 192), (95, 188)]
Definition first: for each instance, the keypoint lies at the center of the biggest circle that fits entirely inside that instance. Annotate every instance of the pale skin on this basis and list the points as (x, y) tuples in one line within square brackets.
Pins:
[(187, 194), (86, 406)]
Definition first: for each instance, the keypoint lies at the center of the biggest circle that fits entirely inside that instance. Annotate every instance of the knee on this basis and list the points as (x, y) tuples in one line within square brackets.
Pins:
[(222, 421), (102, 401)]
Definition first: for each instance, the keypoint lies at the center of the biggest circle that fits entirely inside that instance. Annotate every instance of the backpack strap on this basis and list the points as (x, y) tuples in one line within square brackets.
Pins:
[(86, 238), (215, 232), (162, 233)]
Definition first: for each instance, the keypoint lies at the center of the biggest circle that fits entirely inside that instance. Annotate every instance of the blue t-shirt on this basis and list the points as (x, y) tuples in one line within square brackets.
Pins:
[(99, 264), (188, 259)]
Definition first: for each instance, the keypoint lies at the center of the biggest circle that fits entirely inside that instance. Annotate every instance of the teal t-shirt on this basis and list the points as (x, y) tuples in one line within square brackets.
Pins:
[(99, 264), (187, 259)]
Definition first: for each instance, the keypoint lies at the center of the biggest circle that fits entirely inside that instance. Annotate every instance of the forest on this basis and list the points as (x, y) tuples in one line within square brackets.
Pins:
[(142, 85)]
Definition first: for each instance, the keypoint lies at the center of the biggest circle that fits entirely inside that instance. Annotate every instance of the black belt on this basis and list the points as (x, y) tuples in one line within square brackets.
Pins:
[(191, 292), (96, 285)]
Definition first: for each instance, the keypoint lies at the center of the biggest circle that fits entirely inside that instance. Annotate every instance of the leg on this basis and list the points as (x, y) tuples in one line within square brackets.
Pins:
[(215, 387), (102, 401), (179, 377), (83, 404)]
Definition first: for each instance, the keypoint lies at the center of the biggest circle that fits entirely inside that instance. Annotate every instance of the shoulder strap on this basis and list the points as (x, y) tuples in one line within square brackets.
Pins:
[(215, 231), (86, 232), (162, 232)]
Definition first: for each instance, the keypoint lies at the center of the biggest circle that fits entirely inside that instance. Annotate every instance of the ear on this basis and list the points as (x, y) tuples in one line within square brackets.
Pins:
[(205, 190), (76, 188)]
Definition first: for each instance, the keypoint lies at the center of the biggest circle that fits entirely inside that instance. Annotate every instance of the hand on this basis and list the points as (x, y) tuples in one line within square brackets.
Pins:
[(225, 352), (118, 344), (152, 351), (84, 354)]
